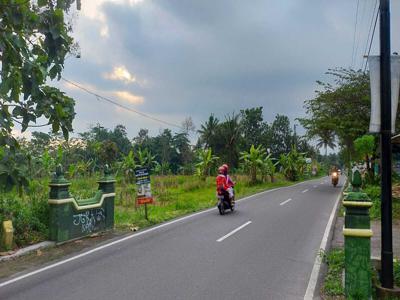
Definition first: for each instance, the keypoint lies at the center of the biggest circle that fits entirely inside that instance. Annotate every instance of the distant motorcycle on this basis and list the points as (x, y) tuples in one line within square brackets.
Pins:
[(335, 178), (224, 203)]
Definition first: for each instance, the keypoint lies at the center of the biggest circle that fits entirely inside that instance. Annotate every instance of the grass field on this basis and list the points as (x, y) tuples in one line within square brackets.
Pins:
[(174, 196), (179, 195)]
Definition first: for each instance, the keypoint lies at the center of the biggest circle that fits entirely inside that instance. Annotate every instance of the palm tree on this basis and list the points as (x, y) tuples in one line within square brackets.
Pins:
[(230, 131), (253, 160), (208, 130), (326, 138)]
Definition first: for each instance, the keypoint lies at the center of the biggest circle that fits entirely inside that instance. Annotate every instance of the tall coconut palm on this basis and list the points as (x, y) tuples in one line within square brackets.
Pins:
[(231, 134), (325, 138), (208, 130)]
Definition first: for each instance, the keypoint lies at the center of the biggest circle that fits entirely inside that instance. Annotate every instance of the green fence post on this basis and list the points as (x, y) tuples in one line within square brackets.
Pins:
[(357, 244), (59, 207), (107, 186)]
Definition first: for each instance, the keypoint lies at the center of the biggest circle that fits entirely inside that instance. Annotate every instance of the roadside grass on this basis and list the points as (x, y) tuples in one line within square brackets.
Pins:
[(332, 287), (175, 196), (374, 193)]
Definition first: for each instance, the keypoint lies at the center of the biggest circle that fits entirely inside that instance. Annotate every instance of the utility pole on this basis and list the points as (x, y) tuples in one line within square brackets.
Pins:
[(386, 147)]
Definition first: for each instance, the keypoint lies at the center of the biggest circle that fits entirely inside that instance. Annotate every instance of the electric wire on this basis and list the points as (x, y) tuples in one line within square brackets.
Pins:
[(111, 101), (370, 27), (372, 37), (358, 36), (354, 36)]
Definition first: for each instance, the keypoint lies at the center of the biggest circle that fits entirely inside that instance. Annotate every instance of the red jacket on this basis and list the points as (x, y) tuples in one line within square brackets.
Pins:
[(221, 183)]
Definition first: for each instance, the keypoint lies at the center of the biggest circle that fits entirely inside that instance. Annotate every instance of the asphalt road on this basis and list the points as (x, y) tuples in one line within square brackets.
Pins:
[(269, 255)]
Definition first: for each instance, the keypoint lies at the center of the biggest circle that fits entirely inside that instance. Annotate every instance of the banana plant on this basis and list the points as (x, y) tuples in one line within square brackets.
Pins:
[(293, 164), (206, 161), (268, 167), (253, 161), (145, 158), (127, 167)]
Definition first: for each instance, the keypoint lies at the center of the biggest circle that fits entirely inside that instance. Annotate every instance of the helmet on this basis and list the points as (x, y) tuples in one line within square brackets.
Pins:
[(221, 170), (226, 167)]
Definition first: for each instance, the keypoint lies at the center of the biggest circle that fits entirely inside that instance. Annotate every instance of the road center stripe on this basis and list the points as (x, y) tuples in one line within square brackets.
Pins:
[(233, 231), (305, 191), (286, 201)]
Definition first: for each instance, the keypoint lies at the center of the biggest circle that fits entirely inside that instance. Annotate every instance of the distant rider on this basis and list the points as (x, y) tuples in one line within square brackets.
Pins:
[(221, 181), (229, 182)]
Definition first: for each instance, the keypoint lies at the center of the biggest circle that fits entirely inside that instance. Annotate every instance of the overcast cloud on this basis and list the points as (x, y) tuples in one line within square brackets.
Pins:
[(172, 59)]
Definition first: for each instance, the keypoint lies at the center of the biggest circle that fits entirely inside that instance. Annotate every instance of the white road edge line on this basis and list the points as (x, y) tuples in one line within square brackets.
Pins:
[(8, 282), (312, 283), (305, 191), (286, 201), (233, 231)]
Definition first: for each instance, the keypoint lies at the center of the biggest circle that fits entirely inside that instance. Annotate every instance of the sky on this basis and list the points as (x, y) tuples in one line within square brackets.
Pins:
[(173, 59)]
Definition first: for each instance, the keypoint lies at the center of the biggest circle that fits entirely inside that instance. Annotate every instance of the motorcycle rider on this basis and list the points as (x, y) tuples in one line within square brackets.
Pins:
[(229, 183), (221, 181)]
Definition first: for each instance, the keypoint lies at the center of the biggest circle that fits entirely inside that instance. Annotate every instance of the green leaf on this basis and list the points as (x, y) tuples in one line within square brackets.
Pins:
[(42, 3)]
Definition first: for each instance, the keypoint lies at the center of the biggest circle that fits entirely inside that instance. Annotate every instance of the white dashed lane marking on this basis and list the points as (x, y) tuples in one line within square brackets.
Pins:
[(284, 202)]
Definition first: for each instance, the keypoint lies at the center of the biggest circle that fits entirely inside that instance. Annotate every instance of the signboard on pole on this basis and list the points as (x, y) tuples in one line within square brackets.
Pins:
[(375, 84), (143, 195)]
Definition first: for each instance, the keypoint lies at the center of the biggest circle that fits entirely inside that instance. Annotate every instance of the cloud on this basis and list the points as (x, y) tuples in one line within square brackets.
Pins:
[(94, 10), (127, 96), (19, 135), (120, 73), (203, 57)]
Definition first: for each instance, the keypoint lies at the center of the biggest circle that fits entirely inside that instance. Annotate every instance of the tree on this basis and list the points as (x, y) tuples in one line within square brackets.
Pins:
[(142, 139), (365, 147), (188, 126), (120, 137), (229, 134), (342, 107), (252, 126), (281, 135), (253, 160), (185, 155), (208, 131), (108, 152), (34, 41), (325, 138)]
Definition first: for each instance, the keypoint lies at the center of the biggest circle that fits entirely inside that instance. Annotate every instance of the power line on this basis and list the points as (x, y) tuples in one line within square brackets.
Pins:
[(372, 37), (358, 37), (354, 36), (370, 27), (120, 105)]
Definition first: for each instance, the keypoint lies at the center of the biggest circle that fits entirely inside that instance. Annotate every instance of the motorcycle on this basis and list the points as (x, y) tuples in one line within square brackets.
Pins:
[(224, 203), (335, 178)]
